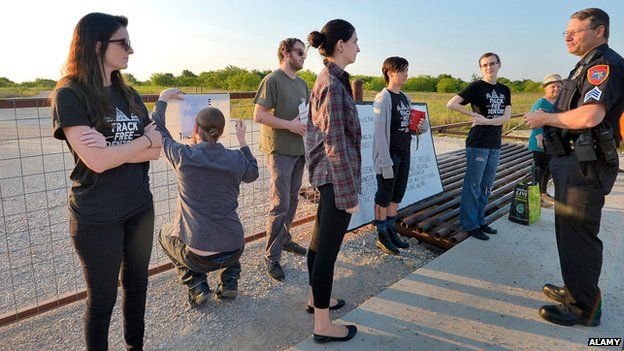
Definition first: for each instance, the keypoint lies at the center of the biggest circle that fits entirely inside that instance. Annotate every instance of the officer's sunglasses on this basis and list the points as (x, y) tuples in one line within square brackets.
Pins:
[(125, 43)]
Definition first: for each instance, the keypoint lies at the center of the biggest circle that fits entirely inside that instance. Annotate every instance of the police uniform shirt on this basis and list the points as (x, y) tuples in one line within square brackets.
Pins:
[(597, 79)]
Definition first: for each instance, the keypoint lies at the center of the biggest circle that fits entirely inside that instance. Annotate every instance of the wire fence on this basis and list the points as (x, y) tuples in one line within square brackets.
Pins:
[(38, 265)]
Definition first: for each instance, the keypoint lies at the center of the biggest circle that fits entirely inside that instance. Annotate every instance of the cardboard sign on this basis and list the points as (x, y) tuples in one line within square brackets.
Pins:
[(424, 178), (180, 115)]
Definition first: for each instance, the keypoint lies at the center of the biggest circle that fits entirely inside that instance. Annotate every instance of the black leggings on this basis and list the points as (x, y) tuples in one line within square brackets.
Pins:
[(103, 249), (542, 159), (329, 230)]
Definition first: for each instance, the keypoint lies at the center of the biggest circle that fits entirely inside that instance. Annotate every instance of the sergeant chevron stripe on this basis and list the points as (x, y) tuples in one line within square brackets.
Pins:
[(593, 94)]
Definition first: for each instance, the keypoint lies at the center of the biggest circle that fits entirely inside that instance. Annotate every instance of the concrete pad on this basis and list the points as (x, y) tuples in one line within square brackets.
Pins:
[(485, 295)]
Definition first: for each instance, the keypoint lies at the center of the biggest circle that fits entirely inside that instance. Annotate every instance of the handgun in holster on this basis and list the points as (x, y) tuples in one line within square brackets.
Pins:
[(605, 143), (553, 142)]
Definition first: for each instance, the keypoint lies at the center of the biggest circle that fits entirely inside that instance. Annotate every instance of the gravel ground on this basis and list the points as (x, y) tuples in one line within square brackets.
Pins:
[(267, 315)]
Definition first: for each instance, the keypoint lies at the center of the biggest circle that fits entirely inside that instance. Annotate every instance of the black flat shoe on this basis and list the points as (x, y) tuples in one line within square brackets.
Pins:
[(320, 339), (338, 305)]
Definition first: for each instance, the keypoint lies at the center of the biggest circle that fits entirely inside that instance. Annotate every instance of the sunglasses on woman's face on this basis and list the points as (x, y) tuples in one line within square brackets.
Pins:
[(125, 43)]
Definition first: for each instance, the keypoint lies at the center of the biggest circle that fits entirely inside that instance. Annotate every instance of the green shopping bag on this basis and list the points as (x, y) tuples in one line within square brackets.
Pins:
[(525, 204)]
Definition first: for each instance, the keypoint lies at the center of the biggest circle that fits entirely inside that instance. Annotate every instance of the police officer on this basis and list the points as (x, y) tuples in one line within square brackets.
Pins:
[(582, 137)]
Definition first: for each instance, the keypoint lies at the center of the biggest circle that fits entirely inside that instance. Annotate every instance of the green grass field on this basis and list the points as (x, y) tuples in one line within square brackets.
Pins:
[(243, 108), (436, 104), (12, 92)]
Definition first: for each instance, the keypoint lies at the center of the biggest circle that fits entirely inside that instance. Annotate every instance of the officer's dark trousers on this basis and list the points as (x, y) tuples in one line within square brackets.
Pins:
[(580, 191)]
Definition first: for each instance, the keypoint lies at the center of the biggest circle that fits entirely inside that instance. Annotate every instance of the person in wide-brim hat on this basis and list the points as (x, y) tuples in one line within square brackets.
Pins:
[(552, 86)]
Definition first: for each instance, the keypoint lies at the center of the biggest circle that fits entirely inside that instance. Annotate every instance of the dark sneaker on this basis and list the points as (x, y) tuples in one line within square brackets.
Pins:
[(477, 233), (295, 248), (227, 289), (396, 239), (556, 293), (275, 271), (567, 314), (487, 229), (384, 243), (198, 294)]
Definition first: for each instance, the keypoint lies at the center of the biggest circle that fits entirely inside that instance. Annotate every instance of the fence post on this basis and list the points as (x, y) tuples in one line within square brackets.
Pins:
[(358, 90)]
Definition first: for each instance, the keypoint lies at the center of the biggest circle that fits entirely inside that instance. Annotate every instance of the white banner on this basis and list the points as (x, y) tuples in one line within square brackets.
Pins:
[(180, 115), (424, 179)]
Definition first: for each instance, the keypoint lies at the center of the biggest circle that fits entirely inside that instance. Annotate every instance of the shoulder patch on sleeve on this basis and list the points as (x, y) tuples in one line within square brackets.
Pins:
[(597, 74)]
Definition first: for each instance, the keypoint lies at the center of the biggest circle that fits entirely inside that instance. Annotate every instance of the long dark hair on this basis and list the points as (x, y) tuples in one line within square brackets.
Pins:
[(332, 32), (83, 71)]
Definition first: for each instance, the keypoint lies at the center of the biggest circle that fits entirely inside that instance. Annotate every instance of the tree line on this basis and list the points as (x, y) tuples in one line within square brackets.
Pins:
[(232, 78)]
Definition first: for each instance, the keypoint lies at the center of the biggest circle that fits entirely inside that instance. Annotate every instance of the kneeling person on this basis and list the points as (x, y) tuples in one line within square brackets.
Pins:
[(207, 233)]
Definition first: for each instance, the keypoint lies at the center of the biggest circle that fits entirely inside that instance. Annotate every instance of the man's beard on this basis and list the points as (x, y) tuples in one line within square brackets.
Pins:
[(295, 65)]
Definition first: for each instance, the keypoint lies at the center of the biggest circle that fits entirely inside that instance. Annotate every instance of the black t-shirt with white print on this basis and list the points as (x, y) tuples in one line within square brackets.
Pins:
[(489, 101), (400, 136), (115, 194)]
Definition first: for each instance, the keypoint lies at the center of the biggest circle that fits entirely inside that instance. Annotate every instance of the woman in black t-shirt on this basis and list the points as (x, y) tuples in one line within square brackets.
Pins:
[(106, 127)]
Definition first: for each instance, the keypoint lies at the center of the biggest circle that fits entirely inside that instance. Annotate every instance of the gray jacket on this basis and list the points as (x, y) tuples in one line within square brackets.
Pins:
[(382, 107), (209, 177)]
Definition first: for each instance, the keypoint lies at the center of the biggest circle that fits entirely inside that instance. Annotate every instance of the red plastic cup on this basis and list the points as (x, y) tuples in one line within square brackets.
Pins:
[(415, 117)]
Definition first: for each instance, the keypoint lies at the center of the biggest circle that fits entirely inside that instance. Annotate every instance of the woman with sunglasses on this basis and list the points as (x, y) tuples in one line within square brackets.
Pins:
[(334, 160), (108, 131)]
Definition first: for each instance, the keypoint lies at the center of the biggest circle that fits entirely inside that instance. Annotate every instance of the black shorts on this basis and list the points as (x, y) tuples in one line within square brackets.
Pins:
[(393, 190)]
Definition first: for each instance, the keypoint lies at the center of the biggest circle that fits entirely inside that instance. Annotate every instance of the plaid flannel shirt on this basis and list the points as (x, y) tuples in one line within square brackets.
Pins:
[(334, 137)]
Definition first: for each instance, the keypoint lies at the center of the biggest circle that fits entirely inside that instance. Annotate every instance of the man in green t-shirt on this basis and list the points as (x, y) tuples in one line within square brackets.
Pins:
[(281, 108)]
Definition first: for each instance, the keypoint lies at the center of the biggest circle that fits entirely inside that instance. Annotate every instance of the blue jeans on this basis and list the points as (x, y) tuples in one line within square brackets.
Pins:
[(480, 173)]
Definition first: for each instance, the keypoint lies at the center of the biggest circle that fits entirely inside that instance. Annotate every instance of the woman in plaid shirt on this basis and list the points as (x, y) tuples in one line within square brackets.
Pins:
[(334, 160)]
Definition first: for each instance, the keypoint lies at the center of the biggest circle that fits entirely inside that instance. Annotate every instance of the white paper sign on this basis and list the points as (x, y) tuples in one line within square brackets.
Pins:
[(180, 115), (424, 179)]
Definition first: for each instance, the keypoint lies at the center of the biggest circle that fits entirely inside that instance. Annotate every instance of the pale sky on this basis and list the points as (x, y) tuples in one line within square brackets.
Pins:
[(436, 36)]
